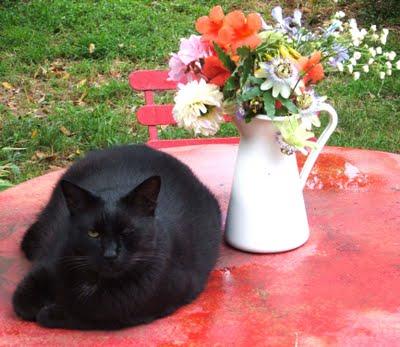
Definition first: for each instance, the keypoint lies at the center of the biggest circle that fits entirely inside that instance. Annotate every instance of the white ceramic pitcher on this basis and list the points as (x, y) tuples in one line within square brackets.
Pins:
[(266, 212)]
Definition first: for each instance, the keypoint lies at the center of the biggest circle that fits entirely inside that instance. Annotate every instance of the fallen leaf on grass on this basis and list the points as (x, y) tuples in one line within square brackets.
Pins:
[(42, 98), (41, 71), (7, 85), (39, 155), (92, 47), (81, 83), (34, 133), (65, 131), (80, 100)]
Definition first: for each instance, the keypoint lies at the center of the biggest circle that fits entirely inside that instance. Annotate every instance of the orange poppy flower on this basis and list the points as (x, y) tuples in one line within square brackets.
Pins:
[(312, 68), (210, 25), (239, 30), (215, 71)]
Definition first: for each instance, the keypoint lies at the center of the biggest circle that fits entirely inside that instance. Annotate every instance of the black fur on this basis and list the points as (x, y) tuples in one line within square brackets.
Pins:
[(159, 234)]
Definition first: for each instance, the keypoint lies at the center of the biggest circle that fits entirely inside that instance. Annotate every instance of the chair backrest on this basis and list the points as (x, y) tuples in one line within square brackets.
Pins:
[(151, 114)]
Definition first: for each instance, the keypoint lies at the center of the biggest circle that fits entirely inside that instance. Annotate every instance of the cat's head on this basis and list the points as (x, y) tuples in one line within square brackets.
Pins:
[(111, 236)]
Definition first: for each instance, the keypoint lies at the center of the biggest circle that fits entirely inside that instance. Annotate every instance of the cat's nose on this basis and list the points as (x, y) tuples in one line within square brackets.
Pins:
[(110, 254)]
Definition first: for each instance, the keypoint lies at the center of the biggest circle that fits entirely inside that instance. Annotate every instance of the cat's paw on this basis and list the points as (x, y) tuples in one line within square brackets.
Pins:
[(25, 305), (25, 312), (51, 316)]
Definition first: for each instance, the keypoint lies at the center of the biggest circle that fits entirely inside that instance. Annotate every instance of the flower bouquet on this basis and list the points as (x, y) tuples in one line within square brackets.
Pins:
[(243, 66), (264, 75)]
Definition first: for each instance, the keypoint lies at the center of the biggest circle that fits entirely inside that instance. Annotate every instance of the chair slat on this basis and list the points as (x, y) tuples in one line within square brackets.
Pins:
[(160, 115), (150, 80), (155, 115)]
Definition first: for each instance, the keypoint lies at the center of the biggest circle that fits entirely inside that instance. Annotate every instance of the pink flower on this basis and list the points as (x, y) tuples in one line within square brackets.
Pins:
[(177, 69), (185, 65)]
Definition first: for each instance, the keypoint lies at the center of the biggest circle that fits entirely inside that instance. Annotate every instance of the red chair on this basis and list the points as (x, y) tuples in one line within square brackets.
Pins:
[(152, 115)]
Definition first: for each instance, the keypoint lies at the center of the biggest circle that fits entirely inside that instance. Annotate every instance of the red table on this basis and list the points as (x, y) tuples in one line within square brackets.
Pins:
[(340, 289)]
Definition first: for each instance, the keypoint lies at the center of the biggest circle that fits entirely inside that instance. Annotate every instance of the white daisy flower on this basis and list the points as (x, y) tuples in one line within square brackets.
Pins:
[(281, 75), (375, 37), (392, 55), (365, 68), (357, 55), (356, 75), (372, 51), (379, 50), (339, 14), (340, 66), (198, 107)]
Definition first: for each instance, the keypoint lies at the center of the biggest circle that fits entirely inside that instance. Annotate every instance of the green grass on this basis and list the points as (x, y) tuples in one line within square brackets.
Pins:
[(61, 100)]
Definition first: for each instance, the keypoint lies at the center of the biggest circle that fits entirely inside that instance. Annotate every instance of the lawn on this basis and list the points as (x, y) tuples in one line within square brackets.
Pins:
[(64, 67)]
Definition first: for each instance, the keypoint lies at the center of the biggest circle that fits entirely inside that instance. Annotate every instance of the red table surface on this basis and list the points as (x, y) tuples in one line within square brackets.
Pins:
[(342, 288)]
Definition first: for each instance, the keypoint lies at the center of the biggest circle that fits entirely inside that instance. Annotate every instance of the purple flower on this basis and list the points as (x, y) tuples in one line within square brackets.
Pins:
[(290, 25), (342, 54), (240, 112), (337, 24)]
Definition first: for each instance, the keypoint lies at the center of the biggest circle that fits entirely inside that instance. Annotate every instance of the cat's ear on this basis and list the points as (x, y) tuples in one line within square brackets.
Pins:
[(143, 199), (77, 198)]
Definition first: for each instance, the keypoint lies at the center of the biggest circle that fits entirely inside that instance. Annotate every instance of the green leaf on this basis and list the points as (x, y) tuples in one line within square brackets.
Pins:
[(248, 65), (291, 107), (231, 83), (230, 87), (269, 104), (255, 80), (250, 94), (243, 51), (225, 58)]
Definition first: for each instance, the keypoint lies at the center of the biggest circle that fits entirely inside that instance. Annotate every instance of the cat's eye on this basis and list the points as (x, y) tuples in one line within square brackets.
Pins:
[(93, 233)]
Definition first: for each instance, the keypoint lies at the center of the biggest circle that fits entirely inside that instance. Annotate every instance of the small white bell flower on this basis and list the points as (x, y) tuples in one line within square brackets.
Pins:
[(357, 55), (391, 55), (340, 66), (379, 50), (370, 61), (372, 51), (350, 68), (389, 72), (398, 65), (356, 75), (389, 64), (382, 75), (373, 28), (365, 68)]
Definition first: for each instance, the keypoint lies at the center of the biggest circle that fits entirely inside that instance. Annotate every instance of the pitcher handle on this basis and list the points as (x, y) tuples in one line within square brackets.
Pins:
[(312, 157)]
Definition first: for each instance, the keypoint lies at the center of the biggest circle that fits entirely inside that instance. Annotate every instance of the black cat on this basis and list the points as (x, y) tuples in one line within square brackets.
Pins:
[(129, 235)]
